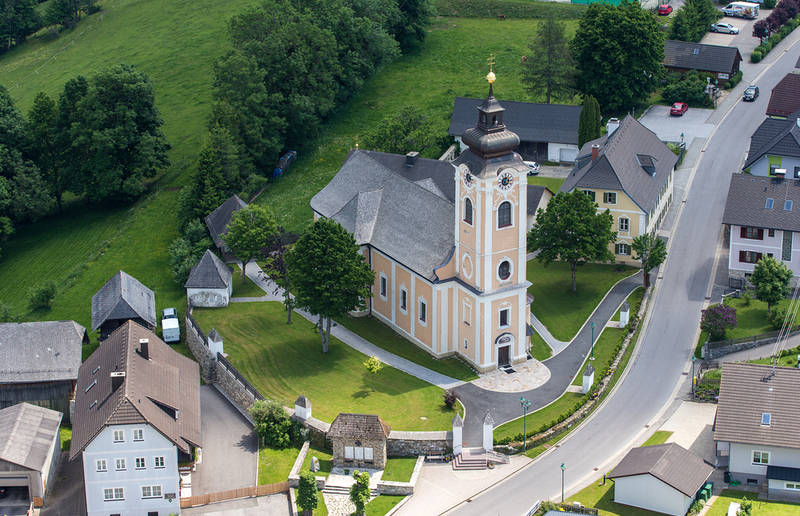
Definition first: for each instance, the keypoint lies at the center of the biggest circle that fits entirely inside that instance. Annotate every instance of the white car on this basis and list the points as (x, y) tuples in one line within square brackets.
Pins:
[(725, 28), (533, 167)]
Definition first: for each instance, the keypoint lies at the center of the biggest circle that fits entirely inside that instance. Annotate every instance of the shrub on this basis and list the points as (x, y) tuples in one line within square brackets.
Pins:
[(272, 423), (746, 299), (42, 295), (784, 31), (727, 85), (767, 46), (449, 398), (776, 317), (717, 319), (736, 79), (760, 48), (755, 57), (769, 4), (307, 492), (775, 39)]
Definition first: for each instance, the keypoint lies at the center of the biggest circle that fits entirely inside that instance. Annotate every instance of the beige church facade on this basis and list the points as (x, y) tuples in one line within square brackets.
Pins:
[(447, 242)]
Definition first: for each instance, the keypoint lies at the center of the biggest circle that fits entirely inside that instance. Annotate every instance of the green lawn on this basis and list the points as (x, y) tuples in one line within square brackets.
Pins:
[(634, 299), (275, 464), (552, 183), (760, 507), (66, 437), (248, 289), (284, 361), (380, 505), (325, 461), (547, 415), (399, 469), (604, 348), (374, 331), (540, 350), (561, 310), (659, 437), (601, 497)]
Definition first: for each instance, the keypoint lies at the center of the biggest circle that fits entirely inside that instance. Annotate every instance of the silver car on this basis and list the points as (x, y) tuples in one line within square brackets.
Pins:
[(725, 28)]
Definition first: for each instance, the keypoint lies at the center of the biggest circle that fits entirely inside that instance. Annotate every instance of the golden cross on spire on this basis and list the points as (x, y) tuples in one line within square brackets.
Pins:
[(491, 77)]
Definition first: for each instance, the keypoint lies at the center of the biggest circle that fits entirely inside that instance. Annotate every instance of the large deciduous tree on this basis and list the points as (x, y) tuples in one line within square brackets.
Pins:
[(276, 268), (408, 130), (18, 20), (186, 251), (329, 274), (250, 229), (549, 66), (771, 279), (43, 148), (571, 230), (589, 121), (618, 50), (692, 21), (652, 251)]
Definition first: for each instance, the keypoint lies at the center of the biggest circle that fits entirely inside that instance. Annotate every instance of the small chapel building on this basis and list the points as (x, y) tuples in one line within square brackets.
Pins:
[(447, 241)]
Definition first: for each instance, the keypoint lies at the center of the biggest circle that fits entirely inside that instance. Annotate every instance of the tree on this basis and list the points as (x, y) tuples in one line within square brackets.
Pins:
[(373, 365), (412, 26), (250, 229), (276, 268), (67, 12), (307, 492), (408, 130), (18, 20), (328, 273), (693, 20), (652, 251), (618, 51), (716, 319), (359, 492), (589, 122), (186, 251), (571, 230), (761, 30), (42, 295), (771, 279), (549, 65), (43, 149), (272, 423), (745, 508)]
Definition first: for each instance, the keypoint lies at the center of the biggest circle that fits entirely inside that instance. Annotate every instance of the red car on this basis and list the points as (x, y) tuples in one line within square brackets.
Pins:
[(679, 108), (664, 9)]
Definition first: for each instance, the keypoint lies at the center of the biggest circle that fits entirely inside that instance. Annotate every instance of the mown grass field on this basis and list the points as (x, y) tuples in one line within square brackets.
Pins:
[(286, 360)]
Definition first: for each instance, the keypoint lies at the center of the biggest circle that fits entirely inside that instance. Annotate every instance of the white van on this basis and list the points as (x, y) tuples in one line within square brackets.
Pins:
[(747, 10), (170, 325)]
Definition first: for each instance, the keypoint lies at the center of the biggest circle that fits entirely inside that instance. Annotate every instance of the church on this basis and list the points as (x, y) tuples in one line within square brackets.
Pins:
[(447, 241)]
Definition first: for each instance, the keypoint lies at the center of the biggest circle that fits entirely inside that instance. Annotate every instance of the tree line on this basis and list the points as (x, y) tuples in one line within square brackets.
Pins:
[(19, 19)]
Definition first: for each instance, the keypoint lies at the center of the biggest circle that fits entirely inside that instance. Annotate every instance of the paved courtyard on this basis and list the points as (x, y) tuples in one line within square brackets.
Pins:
[(669, 128)]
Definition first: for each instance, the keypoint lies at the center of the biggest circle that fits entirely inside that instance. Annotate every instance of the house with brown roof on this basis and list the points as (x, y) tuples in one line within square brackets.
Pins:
[(664, 478), (359, 441), (683, 56), (122, 298), (785, 98), (756, 427), (137, 415)]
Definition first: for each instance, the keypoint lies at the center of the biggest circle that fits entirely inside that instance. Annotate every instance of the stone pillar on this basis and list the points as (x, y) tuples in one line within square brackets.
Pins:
[(302, 408), (588, 379), (215, 343), (624, 314), (488, 432), (458, 426)]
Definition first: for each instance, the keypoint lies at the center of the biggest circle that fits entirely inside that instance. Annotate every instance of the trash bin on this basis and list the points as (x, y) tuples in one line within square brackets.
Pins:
[(726, 476)]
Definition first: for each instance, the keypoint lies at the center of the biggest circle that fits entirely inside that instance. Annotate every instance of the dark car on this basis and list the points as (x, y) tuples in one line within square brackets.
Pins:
[(679, 108), (751, 93)]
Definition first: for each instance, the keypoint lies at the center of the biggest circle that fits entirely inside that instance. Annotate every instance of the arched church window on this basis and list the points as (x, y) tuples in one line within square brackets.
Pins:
[(504, 215), (468, 211)]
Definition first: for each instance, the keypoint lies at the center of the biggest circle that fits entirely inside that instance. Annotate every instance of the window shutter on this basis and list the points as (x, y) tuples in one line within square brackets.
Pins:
[(742, 256), (758, 257), (761, 234), (743, 232)]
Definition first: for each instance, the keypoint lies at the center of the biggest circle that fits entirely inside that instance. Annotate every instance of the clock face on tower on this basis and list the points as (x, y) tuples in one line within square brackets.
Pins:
[(468, 178), (505, 181)]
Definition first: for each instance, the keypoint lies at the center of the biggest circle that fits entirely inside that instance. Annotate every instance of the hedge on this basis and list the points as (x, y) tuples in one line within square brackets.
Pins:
[(755, 57)]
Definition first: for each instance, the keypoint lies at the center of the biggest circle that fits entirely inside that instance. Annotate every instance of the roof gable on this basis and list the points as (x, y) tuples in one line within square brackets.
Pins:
[(217, 221), (701, 57), (210, 272), (775, 137), (359, 426), (746, 204), (669, 463), (27, 433), (123, 297), (535, 193), (785, 98), (45, 351)]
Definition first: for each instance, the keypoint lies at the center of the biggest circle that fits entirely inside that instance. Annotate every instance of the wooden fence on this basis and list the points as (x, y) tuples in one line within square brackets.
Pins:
[(233, 494)]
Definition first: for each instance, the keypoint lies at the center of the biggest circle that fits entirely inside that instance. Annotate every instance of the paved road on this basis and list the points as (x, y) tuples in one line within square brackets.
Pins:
[(652, 382)]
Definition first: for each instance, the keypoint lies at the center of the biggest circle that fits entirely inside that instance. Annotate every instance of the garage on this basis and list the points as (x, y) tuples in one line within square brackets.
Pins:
[(14, 497), (567, 155)]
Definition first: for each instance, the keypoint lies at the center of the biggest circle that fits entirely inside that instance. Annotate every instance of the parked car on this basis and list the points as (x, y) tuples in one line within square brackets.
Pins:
[(533, 167), (725, 28), (679, 108), (751, 93), (170, 326), (664, 9)]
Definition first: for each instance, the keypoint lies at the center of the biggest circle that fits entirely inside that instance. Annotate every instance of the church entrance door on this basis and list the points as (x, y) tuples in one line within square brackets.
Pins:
[(502, 355)]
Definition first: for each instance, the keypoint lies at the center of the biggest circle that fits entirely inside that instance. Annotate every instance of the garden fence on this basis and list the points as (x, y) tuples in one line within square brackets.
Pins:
[(233, 494), (754, 338), (239, 377)]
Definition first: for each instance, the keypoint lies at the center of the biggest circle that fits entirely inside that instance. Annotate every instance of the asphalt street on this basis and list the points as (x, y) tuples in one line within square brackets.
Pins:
[(662, 357)]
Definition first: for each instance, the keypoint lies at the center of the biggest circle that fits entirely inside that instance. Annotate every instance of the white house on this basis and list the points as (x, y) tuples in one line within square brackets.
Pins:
[(137, 416), (775, 146), (210, 282), (663, 478)]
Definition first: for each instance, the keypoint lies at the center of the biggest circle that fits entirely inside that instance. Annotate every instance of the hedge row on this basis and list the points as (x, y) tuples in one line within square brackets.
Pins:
[(763, 49), (736, 79), (506, 8)]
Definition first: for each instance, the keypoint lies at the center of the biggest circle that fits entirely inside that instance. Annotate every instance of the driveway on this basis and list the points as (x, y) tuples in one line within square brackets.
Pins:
[(230, 446), (669, 128), (67, 496)]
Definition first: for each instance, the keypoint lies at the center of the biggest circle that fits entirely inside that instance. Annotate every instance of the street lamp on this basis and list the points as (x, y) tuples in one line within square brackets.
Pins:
[(681, 139), (562, 481), (525, 406), (592, 357), (693, 360)]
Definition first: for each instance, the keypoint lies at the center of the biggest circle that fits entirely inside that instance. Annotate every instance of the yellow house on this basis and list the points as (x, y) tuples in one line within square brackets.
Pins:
[(446, 241), (630, 172)]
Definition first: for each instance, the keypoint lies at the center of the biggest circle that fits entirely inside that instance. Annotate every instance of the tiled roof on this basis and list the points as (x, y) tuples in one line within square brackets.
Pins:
[(359, 426), (619, 164), (218, 220), (210, 272), (27, 433), (749, 390), (669, 463), (48, 351), (785, 143), (394, 208), (556, 123), (535, 193), (123, 297), (785, 98), (150, 391), (747, 202), (701, 57)]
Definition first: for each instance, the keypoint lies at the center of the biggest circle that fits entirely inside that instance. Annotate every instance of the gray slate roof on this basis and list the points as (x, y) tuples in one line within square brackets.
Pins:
[(123, 297), (709, 58), (669, 463), (168, 379), (775, 137), (210, 272), (27, 433), (747, 202), (48, 351), (218, 220), (747, 391), (532, 122), (619, 165), (535, 193), (359, 426), (405, 212)]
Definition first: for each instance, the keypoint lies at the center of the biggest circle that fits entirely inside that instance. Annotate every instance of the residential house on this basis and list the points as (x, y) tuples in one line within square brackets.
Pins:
[(137, 416), (122, 298), (39, 363), (538, 197), (683, 56), (359, 441), (547, 132), (446, 240), (774, 146), (218, 220), (762, 213), (785, 98), (628, 171), (663, 478), (755, 429), (30, 446), (210, 282)]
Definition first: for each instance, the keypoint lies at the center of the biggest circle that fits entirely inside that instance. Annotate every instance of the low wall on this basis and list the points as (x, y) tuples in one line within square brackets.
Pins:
[(204, 357), (386, 487), (411, 444), (233, 388)]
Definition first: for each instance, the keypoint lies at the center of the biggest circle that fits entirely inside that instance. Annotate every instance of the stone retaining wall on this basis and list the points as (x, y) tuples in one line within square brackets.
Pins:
[(411, 444), (712, 353), (206, 359), (386, 487), (233, 388)]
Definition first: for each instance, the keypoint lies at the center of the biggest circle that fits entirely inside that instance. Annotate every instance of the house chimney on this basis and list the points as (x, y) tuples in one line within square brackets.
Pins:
[(116, 380), (595, 151), (612, 125), (411, 158), (144, 348)]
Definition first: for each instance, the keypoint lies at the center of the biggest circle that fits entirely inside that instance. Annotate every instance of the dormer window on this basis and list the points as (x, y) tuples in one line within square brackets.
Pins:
[(766, 418), (770, 204), (787, 206)]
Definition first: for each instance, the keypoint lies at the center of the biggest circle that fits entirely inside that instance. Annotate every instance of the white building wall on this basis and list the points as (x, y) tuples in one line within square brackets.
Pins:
[(209, 297), (554, 151), (761, 167), (647, 492), (131, 479), (741, 461), (766, 246)]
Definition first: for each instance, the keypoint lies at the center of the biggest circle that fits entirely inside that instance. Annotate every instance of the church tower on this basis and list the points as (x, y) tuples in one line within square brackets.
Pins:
[(490, 241)]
